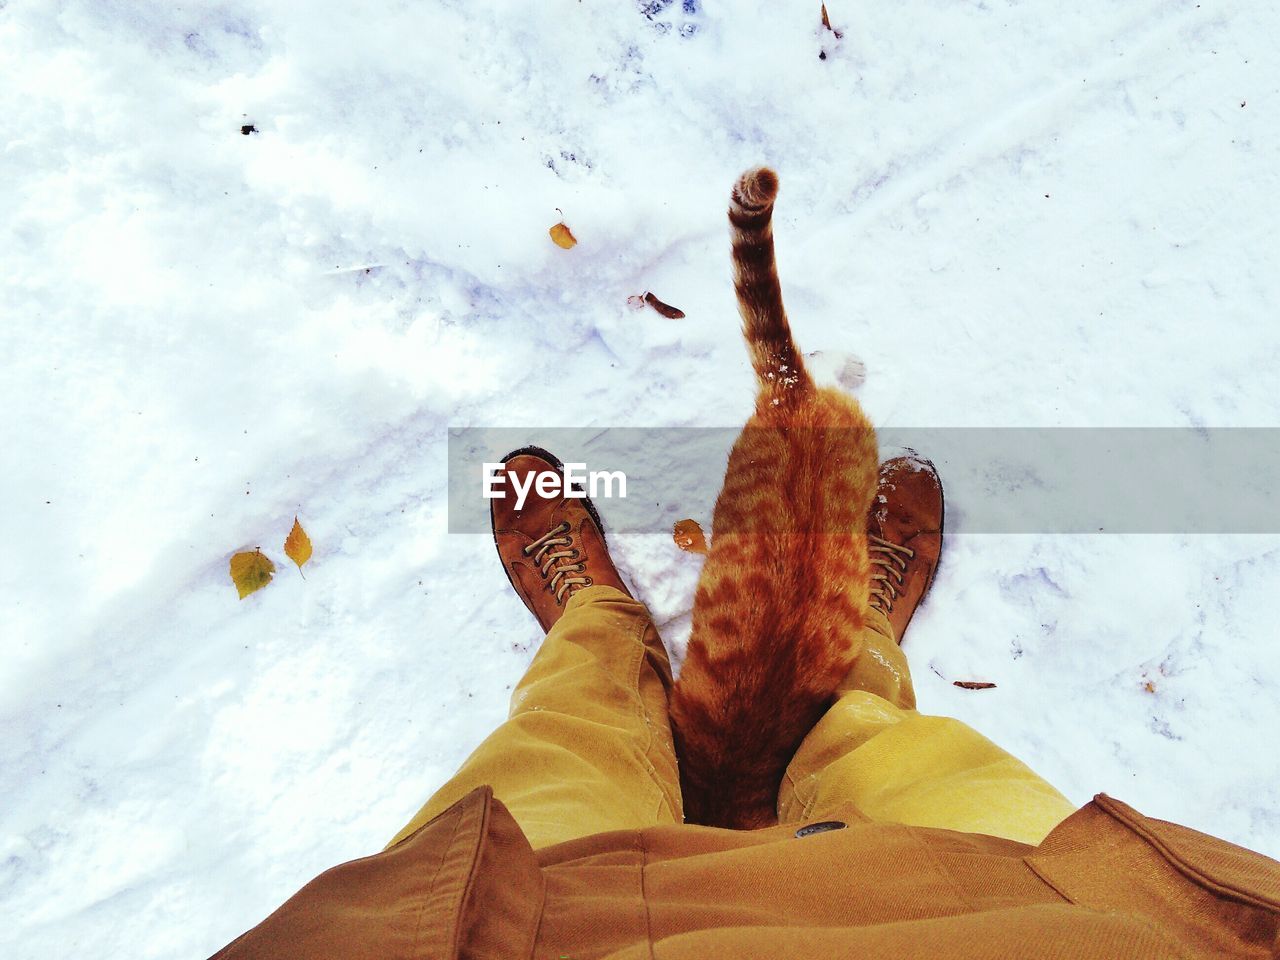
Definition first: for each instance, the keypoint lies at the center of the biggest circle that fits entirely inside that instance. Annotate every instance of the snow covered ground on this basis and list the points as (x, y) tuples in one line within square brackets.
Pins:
[(1013, 213)]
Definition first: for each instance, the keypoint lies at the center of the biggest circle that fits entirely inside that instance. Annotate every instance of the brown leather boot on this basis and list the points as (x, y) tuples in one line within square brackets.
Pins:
[(553, 547), (904, 533)]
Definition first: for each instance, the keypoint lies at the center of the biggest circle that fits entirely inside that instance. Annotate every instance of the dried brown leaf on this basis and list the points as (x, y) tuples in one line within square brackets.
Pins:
[(666, 309), (973, 684), (688, 536)]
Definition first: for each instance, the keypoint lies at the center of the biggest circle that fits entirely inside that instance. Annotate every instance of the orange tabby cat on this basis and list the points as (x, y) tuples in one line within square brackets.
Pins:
[(784, 592)]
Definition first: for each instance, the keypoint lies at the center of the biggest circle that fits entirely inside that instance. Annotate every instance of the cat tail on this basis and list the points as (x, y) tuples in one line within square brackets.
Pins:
[(777, 362)]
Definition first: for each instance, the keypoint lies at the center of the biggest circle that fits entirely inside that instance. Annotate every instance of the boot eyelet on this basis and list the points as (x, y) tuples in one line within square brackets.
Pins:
[(589, 582)]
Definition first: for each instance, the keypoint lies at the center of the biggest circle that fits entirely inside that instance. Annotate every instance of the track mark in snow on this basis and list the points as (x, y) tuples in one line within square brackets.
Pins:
[(901, 180)]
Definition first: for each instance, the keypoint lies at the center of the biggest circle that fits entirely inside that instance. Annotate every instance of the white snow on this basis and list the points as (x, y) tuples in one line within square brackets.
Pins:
[(1006, 214)]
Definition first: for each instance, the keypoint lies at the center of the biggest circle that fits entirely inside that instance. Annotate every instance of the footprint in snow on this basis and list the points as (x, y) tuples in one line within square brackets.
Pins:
[(836, 366), (673, 16)]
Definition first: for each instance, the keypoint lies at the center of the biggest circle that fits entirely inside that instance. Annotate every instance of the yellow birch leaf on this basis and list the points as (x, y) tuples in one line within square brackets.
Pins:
[(250, 571), (563, 236), (688, 536), (297, 546)]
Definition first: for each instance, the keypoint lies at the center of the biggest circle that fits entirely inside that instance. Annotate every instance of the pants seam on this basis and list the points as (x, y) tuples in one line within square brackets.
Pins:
[(641, 653)]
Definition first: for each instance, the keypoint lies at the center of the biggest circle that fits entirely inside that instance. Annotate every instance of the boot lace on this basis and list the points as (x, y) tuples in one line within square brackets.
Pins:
[(885, 583), (555, 565)]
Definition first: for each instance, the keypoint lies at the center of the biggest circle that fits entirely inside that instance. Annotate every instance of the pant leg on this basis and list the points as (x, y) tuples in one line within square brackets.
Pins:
[(587, 747), (873, 748)]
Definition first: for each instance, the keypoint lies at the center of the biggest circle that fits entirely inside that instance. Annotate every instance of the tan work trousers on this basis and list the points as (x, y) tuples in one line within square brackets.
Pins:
[(587, 747)]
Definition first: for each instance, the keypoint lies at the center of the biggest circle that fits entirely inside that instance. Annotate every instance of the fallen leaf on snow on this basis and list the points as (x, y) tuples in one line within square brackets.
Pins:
[(666, 309), (973, 684), (297, 546), (688, 536), (250, 571), (563, 236)]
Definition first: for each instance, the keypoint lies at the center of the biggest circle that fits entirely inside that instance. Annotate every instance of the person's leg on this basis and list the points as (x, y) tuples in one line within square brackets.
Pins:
[(895, 764), (588, 744), (872, 747)]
